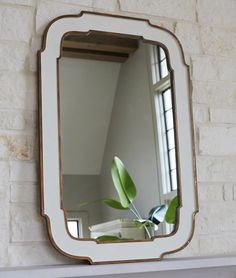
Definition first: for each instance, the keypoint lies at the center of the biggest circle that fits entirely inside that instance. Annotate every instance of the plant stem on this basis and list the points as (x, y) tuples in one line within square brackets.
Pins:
[(137, 214), (134, 213), (146, 229), (140, 217)]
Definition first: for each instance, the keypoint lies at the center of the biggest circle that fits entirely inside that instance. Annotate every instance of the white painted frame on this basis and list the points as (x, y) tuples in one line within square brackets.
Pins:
[(50, 166)]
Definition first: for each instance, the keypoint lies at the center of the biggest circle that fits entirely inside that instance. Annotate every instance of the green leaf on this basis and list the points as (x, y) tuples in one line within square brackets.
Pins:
[(143, 223), (114, 204), (111, 238), (171, 211), (123, 183)]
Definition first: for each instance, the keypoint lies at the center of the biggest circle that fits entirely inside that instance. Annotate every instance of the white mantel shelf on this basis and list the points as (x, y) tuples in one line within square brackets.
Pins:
[(82, 270)]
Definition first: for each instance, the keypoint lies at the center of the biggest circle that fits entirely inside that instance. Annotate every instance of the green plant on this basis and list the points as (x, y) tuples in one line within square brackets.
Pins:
[(170, 216), (111, 238), (127, 192)]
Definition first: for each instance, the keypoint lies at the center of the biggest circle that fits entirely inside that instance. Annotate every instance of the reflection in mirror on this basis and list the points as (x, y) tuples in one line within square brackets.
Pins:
[(116, 101)]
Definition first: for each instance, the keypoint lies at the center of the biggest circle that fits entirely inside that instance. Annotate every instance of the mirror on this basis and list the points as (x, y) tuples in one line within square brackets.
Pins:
[(116, 101), (116, 145)]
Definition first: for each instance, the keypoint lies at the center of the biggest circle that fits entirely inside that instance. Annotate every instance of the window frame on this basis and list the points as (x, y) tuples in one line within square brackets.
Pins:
[(78, 224), (83, 222), (157, 86)]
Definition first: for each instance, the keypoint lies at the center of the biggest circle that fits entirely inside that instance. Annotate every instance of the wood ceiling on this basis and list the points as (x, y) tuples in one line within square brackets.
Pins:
[(97, 46)]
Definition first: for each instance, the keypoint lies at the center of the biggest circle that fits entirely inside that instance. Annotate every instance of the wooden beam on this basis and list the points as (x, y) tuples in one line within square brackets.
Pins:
[(95, 56), (99, 46)]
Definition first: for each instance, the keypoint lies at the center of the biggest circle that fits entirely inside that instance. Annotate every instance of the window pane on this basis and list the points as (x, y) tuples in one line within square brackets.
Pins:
[(171, 139), (162, 54), (173, 180), (167, 99), (172, 159), (164, 70), (154, 74), (169, 119), (73, 228), (155, 66)]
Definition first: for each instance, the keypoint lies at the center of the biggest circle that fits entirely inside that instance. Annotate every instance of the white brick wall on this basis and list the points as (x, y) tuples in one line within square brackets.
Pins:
[(220, 13), (182, 9), (207, 31)]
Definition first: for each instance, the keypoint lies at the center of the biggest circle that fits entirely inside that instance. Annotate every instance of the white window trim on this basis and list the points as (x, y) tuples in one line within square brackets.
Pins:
[(82, 217), (156, 88)]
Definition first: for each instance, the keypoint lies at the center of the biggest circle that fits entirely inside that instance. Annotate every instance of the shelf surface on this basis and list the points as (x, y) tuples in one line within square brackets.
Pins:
[(82, 270)]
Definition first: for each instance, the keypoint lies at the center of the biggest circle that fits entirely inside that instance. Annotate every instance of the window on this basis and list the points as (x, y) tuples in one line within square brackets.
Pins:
[(77, 223), (164, 116), (162, 62), (167, 109), (73, 227)]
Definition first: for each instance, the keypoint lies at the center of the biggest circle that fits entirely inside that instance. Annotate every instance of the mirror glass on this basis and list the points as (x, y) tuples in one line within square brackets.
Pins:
[(116, 107)]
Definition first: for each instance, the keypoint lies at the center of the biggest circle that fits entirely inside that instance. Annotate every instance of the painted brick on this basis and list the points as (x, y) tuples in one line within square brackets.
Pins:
[(4, 213), (200, 113), (228, 192), (188, 34), (217, 12), (227, 116), (20, 147), (36, 45), (26, 224), (17, 120), (216, 169), (4, 194), (216, 41), (12, 56), (16, 147), (207, 68), (17, 91), (23, 171), (19, 2), (4, 216), (234, 192), (12, 120), (5, 172), (30, 120), (87, 3), (110, 5), (47, 11), (210, 192), (24, 193), (13, 27), (35, 254), (4, 236), (3, 147), (3, 253), (4, 205), (21, 82), (218, 220), (216, 140), (167, 8), (215, 94), (223, 244)]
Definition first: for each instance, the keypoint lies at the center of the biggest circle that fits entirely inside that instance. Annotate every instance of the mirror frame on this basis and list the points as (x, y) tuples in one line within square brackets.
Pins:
[(50, 153)]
